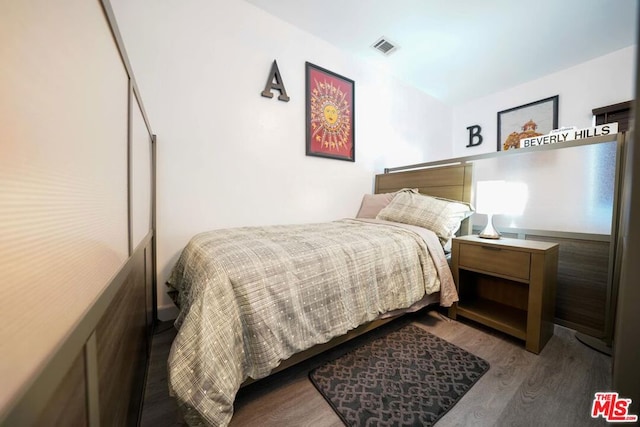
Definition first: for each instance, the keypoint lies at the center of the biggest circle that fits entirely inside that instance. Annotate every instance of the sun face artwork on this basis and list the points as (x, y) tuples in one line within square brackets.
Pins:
[(330, 117), (330, 128)]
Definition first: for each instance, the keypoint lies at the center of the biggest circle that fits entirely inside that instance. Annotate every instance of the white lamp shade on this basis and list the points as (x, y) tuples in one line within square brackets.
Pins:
[(501, 197), (489, 197)]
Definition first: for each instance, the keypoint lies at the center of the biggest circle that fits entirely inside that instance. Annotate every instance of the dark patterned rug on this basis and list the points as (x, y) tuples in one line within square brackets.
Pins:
[(408, 377)]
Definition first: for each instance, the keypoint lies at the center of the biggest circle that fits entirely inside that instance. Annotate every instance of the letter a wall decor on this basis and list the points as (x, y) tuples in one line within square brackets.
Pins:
[(275, 82)]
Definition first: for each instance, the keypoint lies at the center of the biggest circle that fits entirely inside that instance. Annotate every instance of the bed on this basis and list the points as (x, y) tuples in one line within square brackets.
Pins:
[(254, 300)]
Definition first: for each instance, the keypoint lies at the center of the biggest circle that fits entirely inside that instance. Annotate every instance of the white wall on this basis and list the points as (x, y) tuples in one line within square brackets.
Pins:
[(602, 81), (230, 157)]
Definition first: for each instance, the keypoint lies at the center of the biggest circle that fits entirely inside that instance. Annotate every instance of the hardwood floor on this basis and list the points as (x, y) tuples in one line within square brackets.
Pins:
[(554, 388)]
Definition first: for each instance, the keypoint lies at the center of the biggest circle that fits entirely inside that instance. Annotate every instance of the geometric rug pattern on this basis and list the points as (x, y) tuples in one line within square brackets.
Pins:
[(408, 377)]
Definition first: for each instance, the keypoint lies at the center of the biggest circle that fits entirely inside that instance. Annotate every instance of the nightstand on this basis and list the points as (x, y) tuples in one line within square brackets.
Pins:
[(508, 285)]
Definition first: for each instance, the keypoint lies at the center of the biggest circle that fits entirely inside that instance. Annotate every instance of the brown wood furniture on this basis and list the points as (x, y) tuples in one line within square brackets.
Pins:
[(620, 113), (508, 285)]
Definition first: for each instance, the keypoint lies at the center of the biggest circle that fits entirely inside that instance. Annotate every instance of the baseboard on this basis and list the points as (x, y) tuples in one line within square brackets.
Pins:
[(594, 343), (168, 312)]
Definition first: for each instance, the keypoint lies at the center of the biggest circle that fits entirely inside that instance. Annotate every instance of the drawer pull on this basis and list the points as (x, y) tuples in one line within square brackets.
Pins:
[(491, 248)]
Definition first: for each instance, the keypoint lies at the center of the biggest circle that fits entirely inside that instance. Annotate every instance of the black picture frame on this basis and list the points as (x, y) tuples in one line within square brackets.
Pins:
[(526, 121), (330, 114)]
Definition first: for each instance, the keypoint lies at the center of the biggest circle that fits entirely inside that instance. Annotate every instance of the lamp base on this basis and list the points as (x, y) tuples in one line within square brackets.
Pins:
[(489, 231)]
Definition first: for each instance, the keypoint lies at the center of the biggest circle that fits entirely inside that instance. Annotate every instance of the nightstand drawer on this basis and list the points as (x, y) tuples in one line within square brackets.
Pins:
[(495, 260)]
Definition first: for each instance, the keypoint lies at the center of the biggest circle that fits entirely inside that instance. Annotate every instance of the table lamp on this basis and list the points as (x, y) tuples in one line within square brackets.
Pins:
[(490, 201), (499, 198)]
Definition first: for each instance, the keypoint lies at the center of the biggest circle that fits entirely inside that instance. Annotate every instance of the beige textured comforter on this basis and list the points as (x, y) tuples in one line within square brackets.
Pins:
[(251, 297)]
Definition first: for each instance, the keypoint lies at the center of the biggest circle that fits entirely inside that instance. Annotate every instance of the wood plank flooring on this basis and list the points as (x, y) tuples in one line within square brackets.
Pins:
[(554, 388)]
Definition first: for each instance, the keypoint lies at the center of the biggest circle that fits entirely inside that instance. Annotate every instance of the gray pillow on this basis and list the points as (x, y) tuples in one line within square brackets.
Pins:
[(442, 216)]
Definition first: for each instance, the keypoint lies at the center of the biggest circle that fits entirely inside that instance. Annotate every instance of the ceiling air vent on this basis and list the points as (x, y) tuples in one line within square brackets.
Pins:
[(385, 46)]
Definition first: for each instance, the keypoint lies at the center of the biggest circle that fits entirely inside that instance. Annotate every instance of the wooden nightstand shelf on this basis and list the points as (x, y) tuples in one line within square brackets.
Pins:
[(508, 285)]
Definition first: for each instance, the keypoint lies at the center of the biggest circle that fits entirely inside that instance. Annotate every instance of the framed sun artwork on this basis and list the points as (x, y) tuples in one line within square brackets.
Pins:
[(330, 114)]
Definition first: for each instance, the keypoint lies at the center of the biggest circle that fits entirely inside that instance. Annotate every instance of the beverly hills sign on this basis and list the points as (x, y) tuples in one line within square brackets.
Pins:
[(564, 135)]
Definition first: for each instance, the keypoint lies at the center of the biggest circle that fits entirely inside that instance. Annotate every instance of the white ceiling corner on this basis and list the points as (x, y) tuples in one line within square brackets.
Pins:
[(457, 50)]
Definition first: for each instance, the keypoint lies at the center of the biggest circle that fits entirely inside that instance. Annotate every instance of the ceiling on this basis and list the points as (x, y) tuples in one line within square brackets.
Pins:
[(458, 50)]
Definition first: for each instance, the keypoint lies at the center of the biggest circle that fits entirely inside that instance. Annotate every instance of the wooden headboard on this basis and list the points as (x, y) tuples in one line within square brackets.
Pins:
[(451, 182)]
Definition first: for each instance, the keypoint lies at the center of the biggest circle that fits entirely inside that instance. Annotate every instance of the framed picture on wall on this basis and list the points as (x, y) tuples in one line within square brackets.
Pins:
[(330, 114), (526, 121)]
